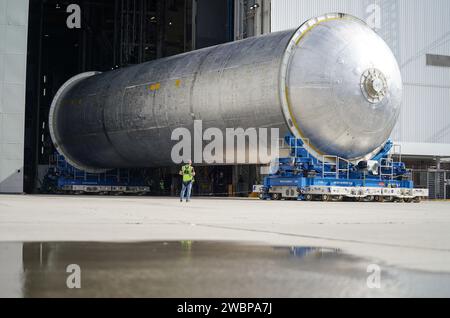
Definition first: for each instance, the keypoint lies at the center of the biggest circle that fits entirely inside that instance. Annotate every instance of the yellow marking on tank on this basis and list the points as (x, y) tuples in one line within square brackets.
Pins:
[(178, 83), (155, 87), (316, 24)]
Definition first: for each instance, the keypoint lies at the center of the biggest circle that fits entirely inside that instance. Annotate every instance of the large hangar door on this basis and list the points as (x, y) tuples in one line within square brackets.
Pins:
[(214, 21), (70, 37)]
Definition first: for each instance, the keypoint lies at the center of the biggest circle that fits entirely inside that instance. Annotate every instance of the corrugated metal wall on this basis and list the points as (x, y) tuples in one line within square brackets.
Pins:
[(412, 28), (13, 59)]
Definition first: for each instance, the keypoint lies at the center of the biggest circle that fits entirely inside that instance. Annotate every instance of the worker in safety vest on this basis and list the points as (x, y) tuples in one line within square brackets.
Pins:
[(188, 174)]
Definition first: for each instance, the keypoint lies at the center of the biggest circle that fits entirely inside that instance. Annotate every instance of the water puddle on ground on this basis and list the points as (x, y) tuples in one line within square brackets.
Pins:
[(201, 269)]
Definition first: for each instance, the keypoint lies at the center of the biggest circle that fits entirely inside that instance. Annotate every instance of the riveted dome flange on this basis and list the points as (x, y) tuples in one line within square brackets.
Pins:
[(374, 85)]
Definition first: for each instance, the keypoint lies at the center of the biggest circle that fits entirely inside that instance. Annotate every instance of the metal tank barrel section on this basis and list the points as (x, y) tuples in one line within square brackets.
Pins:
[(124, 118), (333, 83)]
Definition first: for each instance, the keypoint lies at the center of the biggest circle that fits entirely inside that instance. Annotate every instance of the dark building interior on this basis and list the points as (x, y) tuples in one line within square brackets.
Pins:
[(112, 34)]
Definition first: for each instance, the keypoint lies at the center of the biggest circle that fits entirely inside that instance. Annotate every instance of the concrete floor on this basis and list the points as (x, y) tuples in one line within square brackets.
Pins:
[(409, 236)]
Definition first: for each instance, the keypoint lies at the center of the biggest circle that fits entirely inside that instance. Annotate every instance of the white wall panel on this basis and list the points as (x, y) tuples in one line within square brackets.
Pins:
[(412, 28), (14, 36), (13, 98), (2, 12), (13, 59), (13, 128), (14, 69), (17, 12)]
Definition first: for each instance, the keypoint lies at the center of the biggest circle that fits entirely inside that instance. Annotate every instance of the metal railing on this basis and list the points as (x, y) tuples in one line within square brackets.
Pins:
[(294, 145), (386, 164), (335, 162), (396, 152)]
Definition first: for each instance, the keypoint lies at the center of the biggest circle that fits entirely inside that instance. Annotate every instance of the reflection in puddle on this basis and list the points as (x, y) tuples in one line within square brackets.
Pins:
[(200, 269)]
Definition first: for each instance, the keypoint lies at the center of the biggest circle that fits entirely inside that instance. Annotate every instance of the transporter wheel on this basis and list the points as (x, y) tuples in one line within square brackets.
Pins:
[(379, 198), (336, 198), (325, 197), (309, 197), (389, 199), (276, 196), (370, 198), (408, 200), (417, 200)]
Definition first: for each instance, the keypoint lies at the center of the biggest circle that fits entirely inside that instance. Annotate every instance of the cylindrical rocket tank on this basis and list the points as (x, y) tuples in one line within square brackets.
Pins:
[(333, 82)]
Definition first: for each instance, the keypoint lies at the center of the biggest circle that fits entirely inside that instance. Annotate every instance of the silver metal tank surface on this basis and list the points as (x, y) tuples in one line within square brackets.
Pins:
[(333, 82)]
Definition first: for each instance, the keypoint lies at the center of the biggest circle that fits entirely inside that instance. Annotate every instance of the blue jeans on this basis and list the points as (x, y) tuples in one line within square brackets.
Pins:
[(186, 190)]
